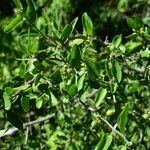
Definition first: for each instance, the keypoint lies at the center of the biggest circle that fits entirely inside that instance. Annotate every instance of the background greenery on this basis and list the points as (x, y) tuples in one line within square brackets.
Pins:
[(87, 72)]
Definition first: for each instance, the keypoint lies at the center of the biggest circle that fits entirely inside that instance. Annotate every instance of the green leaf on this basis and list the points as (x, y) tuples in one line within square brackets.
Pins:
[(113, 87), (9, 91), (108, 142), (147, 34), (122, 5), (74, 22), (123, 118), (39, 101), (22, 87), (54, 100), (33, 45), (104, 143), (133, 47), (25, 103), (76, 41), (72, 90), (145, 53), (75, 56), (117, 40), (14, 23), (22, 70), (18, 4), (123, 147), (132, 36), (66, 32), (101, 143), (134, 23), (118, 71), (14, 120), (30, 12), (80, 82), (100, 96), (7, 101), (108, 70), (87, 24), (92, 69), (68, 29)]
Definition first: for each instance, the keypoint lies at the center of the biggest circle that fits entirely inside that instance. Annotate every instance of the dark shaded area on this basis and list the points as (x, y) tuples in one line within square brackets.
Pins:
[(107, 19), (6, 8)]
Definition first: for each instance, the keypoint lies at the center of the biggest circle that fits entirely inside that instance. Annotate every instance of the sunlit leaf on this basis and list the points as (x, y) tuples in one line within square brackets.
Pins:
[(104, 142), (54, 100), (80, 82), (133, 47), (7, 101), (44, 98), (22, 87), (101, 143), (9, 91), (14, 23), (123, 147), (100, 96), (118, 70), (117, 40), (72, 90), (108, 142), (123, 118), (87, 24), (76, 41)]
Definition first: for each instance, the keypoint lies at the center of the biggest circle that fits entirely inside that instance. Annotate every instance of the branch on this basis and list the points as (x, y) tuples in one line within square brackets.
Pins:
[(101, 118), (39, 120), (12, 130), (114, 130), (48, 39)]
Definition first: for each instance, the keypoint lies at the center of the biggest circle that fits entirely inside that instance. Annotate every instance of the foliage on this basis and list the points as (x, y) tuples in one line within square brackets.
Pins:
[(97, 91)]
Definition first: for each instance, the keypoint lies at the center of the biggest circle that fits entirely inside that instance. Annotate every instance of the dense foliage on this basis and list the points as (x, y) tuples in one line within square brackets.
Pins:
[(73, 77)]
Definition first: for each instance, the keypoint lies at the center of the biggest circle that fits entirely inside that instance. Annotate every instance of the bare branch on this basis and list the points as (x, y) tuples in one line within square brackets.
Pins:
[(13, 130)]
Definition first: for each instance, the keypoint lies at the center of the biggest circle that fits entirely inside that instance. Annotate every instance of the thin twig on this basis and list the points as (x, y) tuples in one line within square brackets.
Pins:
[(39, 120), (12, 130), (50, 40), (113, 129), (101, 118)]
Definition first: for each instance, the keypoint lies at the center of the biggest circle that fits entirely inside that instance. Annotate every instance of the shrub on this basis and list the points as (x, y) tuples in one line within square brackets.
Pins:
[(94, 93)]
